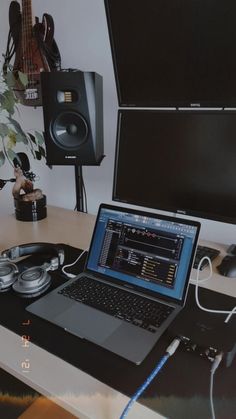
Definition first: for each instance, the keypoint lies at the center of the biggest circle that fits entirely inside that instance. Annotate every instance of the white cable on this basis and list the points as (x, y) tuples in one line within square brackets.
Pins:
[(214, 367), (71, 264), (230, 314), (209, 310), (197, 280)]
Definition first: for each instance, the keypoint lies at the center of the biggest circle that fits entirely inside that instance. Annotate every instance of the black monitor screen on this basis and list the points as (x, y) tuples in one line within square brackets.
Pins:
[(179, 161), (174, 52)]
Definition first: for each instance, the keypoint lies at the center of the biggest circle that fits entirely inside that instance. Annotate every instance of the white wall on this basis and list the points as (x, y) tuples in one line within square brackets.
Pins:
[(82, 36)]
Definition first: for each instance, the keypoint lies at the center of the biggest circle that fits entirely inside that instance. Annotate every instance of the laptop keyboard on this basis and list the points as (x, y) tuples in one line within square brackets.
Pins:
[(132, 308)]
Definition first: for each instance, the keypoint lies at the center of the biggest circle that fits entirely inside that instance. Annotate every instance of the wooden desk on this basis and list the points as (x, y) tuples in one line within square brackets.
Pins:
[(76, 391), (60, 226)]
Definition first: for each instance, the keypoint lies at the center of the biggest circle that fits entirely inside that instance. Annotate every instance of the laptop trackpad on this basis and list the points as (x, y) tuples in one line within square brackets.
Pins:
[(87, 322)]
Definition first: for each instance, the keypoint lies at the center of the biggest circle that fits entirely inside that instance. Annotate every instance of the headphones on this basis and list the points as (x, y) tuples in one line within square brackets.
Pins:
[(33, 281)]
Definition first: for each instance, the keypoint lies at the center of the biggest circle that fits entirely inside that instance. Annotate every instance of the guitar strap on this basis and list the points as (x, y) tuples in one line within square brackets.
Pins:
[(53, 55), (13, 34), (15, 21), (50, 50)]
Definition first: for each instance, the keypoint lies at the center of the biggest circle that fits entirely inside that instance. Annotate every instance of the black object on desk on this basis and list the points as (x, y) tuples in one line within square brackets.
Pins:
[(228, 265), (182, 388), (205, 334)]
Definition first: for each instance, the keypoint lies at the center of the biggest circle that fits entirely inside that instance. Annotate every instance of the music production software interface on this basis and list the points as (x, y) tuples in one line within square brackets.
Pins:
[(145, 251)]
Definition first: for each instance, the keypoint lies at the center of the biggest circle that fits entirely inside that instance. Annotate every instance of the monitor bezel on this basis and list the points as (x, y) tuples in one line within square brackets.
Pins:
[(195, 102), (179, 211)]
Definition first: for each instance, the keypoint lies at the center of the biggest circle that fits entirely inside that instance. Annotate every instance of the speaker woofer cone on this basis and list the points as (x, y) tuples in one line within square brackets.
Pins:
[(69, 130)]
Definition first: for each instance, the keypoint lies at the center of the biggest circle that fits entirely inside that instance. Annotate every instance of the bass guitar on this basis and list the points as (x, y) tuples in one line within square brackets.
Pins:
[(35, 50)]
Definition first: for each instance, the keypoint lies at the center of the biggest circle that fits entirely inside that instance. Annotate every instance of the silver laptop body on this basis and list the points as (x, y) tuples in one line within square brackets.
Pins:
[(143, 254)]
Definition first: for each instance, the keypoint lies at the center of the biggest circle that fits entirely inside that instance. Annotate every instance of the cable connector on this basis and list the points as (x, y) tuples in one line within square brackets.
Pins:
[(216, 362), (173, 346), (70, 275)]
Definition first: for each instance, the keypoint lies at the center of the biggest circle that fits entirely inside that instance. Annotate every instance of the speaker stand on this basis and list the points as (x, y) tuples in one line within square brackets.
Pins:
[(79, 184)]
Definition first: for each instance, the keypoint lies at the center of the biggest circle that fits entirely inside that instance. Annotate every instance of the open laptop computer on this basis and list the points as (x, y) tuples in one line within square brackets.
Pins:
[(134, 283)]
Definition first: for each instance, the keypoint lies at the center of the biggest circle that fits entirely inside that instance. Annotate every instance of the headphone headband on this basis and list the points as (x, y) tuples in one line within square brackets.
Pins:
[(31, 248)]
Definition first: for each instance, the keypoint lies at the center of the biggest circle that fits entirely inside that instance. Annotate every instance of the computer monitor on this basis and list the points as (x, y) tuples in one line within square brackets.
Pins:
[(178, 161), (173, 52)]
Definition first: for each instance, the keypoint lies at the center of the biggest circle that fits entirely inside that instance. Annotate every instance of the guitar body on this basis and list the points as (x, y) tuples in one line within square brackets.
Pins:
[(36, 51), (29, 60)]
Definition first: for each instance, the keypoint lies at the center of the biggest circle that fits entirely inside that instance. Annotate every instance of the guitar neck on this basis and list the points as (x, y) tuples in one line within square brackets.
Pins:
[(27, 18)]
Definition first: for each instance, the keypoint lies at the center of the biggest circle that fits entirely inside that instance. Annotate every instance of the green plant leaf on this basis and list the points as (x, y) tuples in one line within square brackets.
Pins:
[(2, 158), (3, 129), (11, 132), (38, 155), (32, 137), (21, 138), (10, 79), (8, 102), (2, 99), (11, 154), (17, 126), (11, 139), (42, 151), (23, 78), (39, 137)]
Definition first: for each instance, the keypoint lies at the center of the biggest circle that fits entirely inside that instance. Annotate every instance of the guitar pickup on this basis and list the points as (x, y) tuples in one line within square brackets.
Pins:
[(31, 94)]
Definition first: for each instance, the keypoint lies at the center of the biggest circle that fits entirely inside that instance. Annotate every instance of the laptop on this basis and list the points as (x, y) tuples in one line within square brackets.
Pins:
[(134, 283)]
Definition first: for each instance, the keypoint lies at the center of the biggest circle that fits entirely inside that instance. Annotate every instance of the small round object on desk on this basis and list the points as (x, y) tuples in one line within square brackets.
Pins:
[(30, 210)]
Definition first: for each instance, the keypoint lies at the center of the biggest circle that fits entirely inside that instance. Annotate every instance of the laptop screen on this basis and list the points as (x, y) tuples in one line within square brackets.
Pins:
[(144, 250)]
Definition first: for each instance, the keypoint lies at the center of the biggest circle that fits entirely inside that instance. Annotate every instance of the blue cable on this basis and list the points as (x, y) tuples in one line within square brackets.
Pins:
[(170, 350), (145, 385)]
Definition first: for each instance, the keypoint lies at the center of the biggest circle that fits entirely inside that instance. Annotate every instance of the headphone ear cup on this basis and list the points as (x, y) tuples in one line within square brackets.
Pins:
[(32, 282), (8, 275)]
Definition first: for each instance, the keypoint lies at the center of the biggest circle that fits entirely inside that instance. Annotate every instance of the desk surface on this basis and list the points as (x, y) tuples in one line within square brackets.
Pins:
[(78, 392), (60, 225)]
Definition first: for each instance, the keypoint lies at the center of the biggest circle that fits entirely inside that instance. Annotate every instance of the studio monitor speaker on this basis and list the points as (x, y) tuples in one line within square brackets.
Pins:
[(73, 117)]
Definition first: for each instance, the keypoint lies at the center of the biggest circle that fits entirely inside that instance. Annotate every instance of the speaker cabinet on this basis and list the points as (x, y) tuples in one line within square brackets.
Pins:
[(73, 117)]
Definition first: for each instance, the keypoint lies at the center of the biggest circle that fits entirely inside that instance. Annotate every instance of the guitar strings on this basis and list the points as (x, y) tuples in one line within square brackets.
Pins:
[(26, 38), (23, 30), (30, 41)]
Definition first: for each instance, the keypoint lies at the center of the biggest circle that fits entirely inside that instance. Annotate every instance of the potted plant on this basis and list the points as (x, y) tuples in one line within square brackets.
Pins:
[(12, 135), (11, 132)]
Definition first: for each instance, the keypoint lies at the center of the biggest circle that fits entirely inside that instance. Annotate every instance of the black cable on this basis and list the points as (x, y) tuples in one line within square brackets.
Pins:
[(85, 195), (51, 52)]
